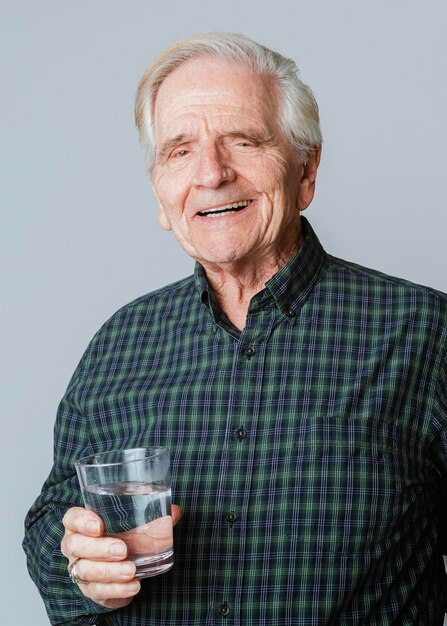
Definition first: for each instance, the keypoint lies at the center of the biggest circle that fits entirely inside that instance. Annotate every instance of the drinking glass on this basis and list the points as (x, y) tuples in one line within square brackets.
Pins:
[(131, 491)]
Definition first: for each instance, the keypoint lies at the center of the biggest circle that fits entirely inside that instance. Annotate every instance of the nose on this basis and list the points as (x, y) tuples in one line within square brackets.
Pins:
[(211, 170)]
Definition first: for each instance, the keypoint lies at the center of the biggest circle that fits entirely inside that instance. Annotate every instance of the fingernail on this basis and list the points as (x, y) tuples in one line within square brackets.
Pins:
[(118, 549), (93, 527), (134, 585), (128, 570)]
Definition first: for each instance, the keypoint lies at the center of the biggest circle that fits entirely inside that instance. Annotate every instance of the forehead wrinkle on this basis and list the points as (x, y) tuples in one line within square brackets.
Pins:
[(219, 124), (201, 112), (197, 106)]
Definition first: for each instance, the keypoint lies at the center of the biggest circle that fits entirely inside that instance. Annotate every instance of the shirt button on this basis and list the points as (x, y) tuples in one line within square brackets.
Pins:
[(290, 312), (231, 517), (241, 433), (224, 609), (250, 351)]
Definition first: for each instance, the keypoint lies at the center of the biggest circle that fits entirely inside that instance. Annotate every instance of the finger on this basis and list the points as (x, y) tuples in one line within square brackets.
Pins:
[(76, 546), (79, 520), (104, 572), (104, 593), (176, 514)]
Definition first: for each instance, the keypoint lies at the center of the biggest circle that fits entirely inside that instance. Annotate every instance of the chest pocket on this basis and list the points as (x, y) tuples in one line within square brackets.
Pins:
[(349, 485)]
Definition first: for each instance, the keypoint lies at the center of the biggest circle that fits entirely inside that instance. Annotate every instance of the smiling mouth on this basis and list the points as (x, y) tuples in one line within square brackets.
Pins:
[(234, 207)]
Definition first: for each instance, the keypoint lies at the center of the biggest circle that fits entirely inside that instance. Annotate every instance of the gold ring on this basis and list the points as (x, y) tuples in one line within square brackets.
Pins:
[(74, 576)]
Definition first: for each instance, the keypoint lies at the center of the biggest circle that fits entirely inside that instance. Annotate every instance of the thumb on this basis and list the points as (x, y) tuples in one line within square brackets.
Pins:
[(176, 514)]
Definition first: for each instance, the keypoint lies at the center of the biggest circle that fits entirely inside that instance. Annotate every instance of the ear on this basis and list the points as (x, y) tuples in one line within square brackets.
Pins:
[(163, 218), (307, 185)]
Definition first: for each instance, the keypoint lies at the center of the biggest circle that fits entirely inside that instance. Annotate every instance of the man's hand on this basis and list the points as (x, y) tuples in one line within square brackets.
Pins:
[(103, 565)]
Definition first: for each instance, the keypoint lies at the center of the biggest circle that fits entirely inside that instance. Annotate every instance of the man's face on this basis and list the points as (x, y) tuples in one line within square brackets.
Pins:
[(228, 182)]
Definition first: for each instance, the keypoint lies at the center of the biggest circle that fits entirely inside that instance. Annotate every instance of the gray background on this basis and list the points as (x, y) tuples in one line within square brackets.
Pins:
[(78, 217)]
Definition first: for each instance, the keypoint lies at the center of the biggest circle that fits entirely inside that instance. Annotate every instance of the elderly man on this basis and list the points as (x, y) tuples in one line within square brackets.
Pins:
[(303, 398)]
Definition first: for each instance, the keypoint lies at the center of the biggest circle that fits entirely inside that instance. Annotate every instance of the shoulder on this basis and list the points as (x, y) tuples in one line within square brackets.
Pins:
[(373, 281), (144, 322), (175, 294), (388, 302)]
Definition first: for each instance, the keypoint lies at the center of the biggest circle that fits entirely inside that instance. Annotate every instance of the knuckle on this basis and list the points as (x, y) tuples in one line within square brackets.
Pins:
[(72, 547), (71, 518), (83, 570), (65, 519), (104, 572), (105, 591), (64, 546)]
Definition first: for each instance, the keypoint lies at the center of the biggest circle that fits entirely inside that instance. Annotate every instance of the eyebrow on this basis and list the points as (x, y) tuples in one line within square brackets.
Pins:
[(249, 134), (168, 145)]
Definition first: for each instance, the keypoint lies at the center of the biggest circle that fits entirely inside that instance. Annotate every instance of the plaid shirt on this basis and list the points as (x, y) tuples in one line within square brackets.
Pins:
[(308, 451)]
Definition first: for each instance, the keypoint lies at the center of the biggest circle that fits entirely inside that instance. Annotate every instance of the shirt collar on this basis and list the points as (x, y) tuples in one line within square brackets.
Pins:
[(289, 288)]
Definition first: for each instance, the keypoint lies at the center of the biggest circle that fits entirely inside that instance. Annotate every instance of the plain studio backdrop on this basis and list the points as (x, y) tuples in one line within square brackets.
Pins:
[(79, 228)]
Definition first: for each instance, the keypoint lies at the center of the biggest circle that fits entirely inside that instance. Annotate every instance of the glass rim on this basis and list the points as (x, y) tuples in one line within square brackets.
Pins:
[(82, 462)]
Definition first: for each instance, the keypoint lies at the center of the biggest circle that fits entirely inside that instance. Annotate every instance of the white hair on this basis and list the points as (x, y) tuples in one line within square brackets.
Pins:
[(298, 114)]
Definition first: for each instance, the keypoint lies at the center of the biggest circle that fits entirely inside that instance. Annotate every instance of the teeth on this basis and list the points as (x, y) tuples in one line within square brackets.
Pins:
[(235, 205)]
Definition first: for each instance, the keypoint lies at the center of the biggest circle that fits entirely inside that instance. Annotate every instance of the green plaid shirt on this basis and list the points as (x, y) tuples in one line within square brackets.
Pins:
[(308, 451)]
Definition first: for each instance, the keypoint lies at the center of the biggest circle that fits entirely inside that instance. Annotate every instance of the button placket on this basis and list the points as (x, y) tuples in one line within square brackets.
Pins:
[(243, 412)]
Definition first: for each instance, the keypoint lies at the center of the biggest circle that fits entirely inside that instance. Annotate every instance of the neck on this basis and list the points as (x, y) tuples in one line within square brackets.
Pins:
[(235, 284)]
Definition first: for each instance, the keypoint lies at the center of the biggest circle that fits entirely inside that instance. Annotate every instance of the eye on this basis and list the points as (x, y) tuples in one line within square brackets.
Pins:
[(246, 143), (179, 153)]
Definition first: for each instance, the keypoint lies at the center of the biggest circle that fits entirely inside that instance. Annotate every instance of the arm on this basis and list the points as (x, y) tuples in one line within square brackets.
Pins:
[(57, 531), (64, 601)]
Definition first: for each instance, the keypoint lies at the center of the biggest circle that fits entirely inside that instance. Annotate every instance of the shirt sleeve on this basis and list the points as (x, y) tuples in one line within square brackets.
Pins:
[(64, 602), (438, 446)]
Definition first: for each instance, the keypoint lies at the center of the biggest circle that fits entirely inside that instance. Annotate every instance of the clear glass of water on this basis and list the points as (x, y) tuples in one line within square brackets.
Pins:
[(131, 491)]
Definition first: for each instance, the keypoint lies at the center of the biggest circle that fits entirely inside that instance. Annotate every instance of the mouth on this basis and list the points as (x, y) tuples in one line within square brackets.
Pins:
[(233, 207)]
